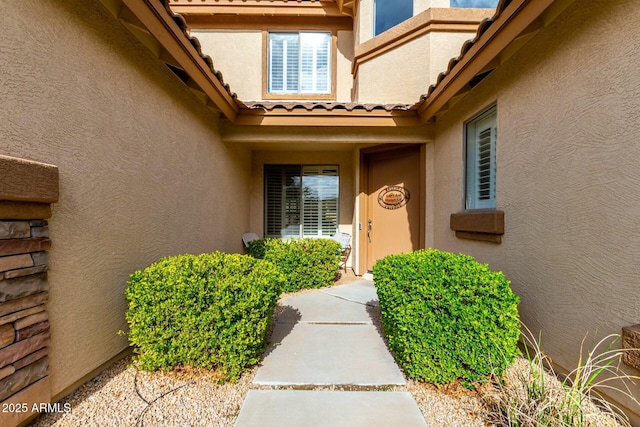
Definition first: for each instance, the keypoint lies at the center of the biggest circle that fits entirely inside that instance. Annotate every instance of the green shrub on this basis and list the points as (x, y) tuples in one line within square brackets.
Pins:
[(306, 263), (447, 316), (207, 311)]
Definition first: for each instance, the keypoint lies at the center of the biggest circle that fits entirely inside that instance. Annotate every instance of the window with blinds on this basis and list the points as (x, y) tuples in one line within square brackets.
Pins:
[(299, 63), (481, 161), (301, 200)]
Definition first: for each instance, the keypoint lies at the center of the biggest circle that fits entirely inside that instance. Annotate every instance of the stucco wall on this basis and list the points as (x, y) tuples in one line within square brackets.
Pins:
[(568, 175), (238, 55), (378, 80), (143, 173), (418, 61), (344, 60), (344, 159)]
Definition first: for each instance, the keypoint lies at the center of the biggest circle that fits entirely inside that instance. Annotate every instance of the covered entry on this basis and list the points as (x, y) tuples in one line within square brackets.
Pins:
[(391, 207)]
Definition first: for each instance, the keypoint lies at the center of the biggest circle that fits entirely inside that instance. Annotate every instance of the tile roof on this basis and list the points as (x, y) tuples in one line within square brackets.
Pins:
[(466, 46), (270, 106), (182, 24), (328, 106)]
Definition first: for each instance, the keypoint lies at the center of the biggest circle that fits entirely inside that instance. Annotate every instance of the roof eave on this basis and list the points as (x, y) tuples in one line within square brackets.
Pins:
[(177, 50), (325, 8), (517, 23), (327, 118)]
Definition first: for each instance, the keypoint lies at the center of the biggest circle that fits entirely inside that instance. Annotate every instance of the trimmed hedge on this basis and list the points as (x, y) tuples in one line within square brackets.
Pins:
[(207, 311), (447, 316), (306, 263)]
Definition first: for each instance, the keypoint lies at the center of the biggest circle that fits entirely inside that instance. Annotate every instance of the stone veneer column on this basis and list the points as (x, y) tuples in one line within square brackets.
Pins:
[(27, 190)]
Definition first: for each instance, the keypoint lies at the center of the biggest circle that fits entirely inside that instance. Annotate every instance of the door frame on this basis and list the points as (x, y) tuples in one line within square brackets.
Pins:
[(363, 200)]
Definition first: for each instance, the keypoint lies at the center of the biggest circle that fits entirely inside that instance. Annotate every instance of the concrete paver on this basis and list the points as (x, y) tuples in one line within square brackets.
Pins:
[(315, 408), (327, 337), (322, 354), (362, 291), (320, 307)]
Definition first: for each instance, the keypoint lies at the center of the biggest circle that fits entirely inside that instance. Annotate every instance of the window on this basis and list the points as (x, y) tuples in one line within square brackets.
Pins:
[(301, 200), (481, 161), (299, 63), (389, 13)]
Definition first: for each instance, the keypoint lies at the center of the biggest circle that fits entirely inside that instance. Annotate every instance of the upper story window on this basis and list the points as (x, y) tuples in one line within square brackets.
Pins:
[(389, 13), (481, 161), (299, 63)]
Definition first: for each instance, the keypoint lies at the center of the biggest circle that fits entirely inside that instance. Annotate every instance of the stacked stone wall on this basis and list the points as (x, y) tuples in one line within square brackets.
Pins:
[(27, 190)]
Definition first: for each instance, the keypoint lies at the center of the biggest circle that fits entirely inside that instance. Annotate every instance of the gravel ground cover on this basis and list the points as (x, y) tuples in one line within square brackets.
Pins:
[(124, 396)]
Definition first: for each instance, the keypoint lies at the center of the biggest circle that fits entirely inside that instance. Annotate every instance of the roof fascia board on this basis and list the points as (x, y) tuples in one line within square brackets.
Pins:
[(298, 135), (242, 22), (284, 117), (257, 7), (519, 18), (157, 21)]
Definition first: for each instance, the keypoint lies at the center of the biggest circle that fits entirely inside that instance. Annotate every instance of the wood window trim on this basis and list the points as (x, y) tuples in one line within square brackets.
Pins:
[(482, 225), (298, 96)]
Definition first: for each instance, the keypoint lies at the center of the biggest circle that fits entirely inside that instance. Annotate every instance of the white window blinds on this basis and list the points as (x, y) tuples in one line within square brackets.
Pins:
[(301, 201), (299, 63), (481, 161)]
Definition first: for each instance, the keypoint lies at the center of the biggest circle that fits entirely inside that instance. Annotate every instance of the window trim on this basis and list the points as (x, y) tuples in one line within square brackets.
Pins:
[(266, 95), (478, 221)]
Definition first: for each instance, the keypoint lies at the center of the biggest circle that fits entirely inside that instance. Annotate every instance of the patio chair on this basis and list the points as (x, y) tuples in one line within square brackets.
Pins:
[(345, 243), (249, 237)]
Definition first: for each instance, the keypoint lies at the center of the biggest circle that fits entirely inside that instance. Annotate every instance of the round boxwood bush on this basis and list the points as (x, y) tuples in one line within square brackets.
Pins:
[(207, 311), (447, 316), (306, 263)]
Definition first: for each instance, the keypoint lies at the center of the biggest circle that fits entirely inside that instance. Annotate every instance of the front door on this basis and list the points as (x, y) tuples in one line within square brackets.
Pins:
[(392, 221)]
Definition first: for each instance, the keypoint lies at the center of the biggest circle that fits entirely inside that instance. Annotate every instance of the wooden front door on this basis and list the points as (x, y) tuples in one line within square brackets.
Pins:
[(392, 221)]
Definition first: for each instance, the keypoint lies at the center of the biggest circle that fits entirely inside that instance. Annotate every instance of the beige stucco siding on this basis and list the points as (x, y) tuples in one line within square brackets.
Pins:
[(238, 55), (418, 62), (378, 80), (143, 173), (568, 175), (344, 60)]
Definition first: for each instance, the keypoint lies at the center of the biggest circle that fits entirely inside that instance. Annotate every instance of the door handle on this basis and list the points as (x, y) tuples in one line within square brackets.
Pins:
[(369, 226)]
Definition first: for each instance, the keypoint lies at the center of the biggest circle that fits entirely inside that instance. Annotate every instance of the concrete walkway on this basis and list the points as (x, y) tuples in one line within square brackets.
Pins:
[(328, 337)]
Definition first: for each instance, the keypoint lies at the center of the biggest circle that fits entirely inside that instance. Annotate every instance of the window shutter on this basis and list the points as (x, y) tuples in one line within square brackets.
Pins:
[(283, 62), (315, 49), (329, 189), (292, 211), (481, 161), (273, 202), (486, 168), (320, 200), (282, 201)]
